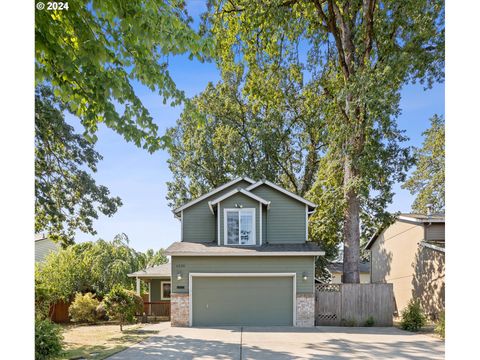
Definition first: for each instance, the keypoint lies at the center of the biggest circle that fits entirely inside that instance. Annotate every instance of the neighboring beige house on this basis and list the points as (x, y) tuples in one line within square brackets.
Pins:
[(410, 254), (336, 270), (44, 246)]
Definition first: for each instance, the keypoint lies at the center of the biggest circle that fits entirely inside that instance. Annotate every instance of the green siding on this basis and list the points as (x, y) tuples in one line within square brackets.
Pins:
[(199, 224), (243, 264), (155, 288), (246, 202), (245, 301), (285, 221)]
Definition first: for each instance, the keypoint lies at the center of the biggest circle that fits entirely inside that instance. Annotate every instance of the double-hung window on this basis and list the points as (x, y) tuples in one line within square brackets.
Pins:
[(240, 226)]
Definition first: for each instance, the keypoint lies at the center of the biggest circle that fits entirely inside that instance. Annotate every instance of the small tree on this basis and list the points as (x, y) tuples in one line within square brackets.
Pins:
[(440, 326), (122, 305), (83, 308), (413, 318)]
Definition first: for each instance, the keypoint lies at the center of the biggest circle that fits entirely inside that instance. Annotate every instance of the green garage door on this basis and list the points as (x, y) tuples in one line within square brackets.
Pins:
[(246, 301)]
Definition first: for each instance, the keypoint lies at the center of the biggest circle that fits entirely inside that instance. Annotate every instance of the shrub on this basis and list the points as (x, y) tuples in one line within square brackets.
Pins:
[(440, 326), (83, 308), (413, 318), (370, 321), (122, 305), (48, 339), (349, 322), (101, 312)]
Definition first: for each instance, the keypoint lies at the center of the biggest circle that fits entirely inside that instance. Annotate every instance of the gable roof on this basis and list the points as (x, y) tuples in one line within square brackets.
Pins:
[(416, 218), (282, 190), (235, 191), (210, 193), (164, 270)]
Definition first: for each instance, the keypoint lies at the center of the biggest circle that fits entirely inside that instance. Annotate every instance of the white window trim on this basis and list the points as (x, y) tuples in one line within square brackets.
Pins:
[(161, 289), (292, 275), (218, 223), (260, 220), (225, 226)]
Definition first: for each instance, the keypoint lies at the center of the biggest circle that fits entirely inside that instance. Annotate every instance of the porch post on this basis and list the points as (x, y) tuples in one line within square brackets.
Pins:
[(138, 286)]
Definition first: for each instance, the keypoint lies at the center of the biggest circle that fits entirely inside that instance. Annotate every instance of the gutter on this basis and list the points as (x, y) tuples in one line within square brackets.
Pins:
[(431, 246)]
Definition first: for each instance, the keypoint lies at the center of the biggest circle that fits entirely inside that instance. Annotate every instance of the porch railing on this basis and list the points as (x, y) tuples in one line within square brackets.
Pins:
[(157, 308)]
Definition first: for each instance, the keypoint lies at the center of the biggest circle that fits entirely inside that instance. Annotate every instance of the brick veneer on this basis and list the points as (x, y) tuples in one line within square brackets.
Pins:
[(305, 310), (180, 308)]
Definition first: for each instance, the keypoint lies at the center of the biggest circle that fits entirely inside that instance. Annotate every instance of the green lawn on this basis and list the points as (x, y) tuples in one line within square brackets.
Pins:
[(100, 341)]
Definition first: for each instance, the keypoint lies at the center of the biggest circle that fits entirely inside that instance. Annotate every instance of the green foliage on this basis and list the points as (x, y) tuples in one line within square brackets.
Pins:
[(369, 322), (440, 325), (48, 339), (90, 267), (122, 305), (348, 322), (152, 258), (67, 198), (94, 52), (350, 61), (221, 134), (83, 308), (413, 318), (428, 179), (60, 276)]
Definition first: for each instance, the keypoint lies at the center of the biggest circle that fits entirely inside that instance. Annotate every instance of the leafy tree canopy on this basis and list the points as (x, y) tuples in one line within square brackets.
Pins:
[(67, 197), (352, 57), (428, 179), (94, 52), (91, 267), (221, 135)]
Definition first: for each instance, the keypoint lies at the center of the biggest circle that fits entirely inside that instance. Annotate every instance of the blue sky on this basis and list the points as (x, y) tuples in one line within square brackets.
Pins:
[(139, 178)]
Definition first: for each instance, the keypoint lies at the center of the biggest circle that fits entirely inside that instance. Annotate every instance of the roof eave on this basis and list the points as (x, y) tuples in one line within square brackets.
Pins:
[(214, 191), (285, 253), (282, 190)]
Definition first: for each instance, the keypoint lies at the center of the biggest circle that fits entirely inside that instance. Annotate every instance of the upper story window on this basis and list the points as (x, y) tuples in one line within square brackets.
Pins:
[(240, 226)]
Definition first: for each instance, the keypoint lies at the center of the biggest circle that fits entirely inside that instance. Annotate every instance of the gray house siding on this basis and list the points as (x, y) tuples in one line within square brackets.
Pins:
[(199, 225), (43, 248), (247, 203), (156, 289), (435, 232), (243, 264), (286, 218)]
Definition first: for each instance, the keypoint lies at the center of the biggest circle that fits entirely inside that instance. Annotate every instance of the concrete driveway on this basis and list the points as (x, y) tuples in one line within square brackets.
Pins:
[(281, 343)]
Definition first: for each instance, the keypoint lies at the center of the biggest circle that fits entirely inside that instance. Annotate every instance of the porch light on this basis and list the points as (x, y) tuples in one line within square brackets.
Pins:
[(305, 276), (179, 276)]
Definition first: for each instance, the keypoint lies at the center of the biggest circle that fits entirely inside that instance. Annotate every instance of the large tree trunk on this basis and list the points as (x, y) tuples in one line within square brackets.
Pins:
[(351, 227)]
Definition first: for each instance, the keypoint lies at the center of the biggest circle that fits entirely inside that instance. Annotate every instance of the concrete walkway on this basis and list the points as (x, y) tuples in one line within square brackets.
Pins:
[(281, 343)]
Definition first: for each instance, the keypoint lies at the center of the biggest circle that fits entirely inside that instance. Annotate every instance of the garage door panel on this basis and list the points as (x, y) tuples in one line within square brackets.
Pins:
[(248, 301)]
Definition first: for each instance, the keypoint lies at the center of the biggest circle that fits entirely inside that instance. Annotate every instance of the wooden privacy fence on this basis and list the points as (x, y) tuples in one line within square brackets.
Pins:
[(353, 304)]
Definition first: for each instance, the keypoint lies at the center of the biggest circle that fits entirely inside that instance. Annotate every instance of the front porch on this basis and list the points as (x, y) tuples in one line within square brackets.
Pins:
[(156, 293)]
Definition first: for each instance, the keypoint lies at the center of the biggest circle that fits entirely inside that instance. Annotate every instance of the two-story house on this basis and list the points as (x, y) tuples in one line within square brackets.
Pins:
[(244, 258), (410, 254)]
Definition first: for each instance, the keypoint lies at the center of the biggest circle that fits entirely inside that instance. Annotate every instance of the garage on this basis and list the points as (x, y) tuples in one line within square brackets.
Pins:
[(242, 300)]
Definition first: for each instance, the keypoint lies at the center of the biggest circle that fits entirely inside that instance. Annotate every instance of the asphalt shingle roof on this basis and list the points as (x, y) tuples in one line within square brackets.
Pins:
[(213, 249), (158, 271), (363, 267)]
